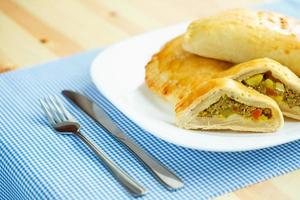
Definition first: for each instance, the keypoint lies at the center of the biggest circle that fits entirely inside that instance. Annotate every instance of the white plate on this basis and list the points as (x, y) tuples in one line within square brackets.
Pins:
[(118, 72)]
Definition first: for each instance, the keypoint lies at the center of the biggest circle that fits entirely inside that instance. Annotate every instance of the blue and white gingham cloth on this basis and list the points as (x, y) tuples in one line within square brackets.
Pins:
[(38, 163)]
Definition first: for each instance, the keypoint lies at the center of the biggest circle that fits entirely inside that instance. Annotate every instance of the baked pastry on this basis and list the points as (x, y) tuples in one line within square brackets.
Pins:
[(227, 104), (272, 79), (181, 78), (172, 72), (241, 35)]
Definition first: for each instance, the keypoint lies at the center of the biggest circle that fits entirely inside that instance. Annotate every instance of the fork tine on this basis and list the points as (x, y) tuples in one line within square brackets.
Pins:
[(47, 112), (66, 114), (58, 108), (52, 110)]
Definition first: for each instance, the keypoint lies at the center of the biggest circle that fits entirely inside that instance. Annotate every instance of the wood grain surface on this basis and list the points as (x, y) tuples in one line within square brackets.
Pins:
[(36, 31)]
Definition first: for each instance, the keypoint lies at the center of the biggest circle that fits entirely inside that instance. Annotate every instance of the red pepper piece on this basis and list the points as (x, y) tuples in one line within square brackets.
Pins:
[(271, 92), (256, 113)]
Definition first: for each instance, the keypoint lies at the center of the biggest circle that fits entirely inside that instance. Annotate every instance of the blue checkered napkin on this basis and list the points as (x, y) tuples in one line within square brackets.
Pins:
[(38, 163)]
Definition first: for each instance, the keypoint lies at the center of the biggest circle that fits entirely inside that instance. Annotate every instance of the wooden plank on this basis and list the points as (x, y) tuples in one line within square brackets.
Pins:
[(52, 38), (264, 190), (86, 29), (281, 187), (22, 50), (112, 17), (174, 11), (288, 183), (230, 196), (129, 10)]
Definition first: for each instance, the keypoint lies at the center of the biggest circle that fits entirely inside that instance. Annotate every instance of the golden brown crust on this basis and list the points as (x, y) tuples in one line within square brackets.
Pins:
[(241, 35), (6, 69), (262, 65), (200, 91), (172, 72)]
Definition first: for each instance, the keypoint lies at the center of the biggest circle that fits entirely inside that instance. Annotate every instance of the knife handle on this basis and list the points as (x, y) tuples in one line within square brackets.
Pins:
[(162, 173), (127, 181)]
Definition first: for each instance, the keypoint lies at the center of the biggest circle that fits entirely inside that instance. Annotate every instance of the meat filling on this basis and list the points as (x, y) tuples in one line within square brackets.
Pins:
[(226, 106), (267, 84)]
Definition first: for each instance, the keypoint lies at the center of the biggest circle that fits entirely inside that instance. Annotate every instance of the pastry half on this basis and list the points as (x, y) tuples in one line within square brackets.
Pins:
[(272, 79), (241, 35), (173, 72), (225, 104)]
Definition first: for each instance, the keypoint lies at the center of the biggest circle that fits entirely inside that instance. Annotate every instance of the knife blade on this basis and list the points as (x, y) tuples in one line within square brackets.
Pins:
[(161, 172)]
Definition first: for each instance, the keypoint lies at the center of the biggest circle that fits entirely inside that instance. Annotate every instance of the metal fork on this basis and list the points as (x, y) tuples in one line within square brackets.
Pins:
[(63, 122)]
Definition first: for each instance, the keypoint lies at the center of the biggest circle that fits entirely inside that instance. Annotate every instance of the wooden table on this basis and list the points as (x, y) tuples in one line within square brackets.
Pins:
[(36, 31)]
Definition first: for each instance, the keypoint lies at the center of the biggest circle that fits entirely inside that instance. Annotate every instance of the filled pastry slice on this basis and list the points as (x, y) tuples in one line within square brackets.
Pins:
[(172, 72), (241, 35), (226, 104), (272, 79)]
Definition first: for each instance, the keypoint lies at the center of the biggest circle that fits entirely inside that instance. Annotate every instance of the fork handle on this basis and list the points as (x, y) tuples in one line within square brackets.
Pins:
[(127, 181)]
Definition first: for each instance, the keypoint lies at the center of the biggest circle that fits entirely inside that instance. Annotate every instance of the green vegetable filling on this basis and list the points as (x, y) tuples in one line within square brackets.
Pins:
[(226, 106), (267, 84)]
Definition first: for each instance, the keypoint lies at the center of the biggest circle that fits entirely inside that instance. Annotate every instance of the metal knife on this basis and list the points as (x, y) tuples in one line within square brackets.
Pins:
[(164, 175)]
